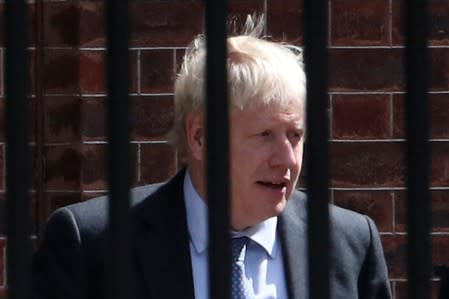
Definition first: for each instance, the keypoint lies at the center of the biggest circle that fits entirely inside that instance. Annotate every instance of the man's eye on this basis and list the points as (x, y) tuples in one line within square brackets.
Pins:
[(295, 135), (265, 133)]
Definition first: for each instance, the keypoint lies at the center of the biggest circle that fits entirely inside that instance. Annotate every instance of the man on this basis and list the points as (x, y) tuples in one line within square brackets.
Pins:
[(268, 216)]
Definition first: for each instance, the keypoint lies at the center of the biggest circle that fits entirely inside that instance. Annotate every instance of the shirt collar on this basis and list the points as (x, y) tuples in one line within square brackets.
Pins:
[(263, 233), (196, 210)]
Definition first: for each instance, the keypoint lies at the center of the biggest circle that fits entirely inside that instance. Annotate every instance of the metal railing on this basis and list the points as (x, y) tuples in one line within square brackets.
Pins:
[(217, 150), (119, 124), (17, 185), (316, 146), (117, 16), (418, 203)]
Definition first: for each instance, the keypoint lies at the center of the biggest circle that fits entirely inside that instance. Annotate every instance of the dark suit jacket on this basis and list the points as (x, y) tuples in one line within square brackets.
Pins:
[(70, 262)]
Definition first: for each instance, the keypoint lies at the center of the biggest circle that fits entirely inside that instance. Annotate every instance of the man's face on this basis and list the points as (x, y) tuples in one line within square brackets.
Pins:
[(266, 159)]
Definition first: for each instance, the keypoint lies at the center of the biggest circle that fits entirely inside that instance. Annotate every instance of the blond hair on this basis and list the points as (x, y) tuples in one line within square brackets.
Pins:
[(259, 72)]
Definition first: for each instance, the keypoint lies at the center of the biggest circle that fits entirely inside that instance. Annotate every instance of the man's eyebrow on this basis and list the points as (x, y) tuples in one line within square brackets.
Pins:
[(299, 124)]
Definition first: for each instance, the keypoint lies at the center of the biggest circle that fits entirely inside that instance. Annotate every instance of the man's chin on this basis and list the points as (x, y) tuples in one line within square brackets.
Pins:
[(275, 210)]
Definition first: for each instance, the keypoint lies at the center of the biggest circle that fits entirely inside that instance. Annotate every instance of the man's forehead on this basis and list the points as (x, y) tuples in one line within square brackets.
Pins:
[(293, 113), (293, 109), (275, 104)]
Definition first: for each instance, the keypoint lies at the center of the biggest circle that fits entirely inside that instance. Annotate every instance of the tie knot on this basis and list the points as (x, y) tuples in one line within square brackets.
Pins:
[(237, 246)]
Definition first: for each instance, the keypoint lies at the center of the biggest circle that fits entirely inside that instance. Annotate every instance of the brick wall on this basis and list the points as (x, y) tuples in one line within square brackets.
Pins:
[(365, 105)]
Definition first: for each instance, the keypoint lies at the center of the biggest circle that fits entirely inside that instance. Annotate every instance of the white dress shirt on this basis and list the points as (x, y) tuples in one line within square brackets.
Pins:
[(263, 260)]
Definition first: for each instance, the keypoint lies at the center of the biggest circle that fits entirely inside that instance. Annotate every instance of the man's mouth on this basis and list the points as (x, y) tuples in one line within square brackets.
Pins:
[(272, 184)]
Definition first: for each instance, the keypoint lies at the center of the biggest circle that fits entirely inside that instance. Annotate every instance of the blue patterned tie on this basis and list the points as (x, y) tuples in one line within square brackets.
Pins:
[(241, 288)]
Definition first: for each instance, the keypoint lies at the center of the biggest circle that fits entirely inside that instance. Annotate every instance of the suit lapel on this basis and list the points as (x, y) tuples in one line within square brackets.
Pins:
[(163, 251), (293, 233)]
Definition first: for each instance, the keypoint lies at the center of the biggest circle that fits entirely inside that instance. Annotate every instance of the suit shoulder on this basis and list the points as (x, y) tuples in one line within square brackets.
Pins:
[(90, 217), (347, 218), (345, 224), (352, 228)]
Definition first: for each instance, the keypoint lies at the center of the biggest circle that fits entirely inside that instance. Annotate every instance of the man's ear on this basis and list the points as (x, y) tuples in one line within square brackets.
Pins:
[(195, 136)]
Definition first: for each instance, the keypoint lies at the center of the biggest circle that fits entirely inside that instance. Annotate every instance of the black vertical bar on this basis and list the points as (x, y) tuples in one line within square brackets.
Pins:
[(418, 209), (43, 205), (118, 111), (217, 114), (16, 66), (315, 42)]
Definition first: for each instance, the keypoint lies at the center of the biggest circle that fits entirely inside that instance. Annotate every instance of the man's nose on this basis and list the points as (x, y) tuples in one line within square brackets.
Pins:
[(283, 153)]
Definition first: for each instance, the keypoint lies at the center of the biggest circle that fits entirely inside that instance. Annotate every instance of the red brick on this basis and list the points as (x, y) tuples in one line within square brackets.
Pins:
[(157, 163), (153, 23), (61, 71), (438, 22), (242, 8), (2, 120), (2, 71), (376, 204), (92, 70), (157, 71), (361, 116), (2, 27), (32, 119), (91, 25), (165, 23), (370, 164), (2, 166), (32, 169), (32, 72), (94, 169), (365, 69), (438, 114), (285, 20), (440, 254), (439, 69), (395, 247), (152, 117), (381, 164), (2, 262), (439, 173), (62, 119), (94, 119), (401, 290), (359, 23), (90, 195), (439, 211), (62, 167), (61, 24), (133, 72), (3, 214)]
